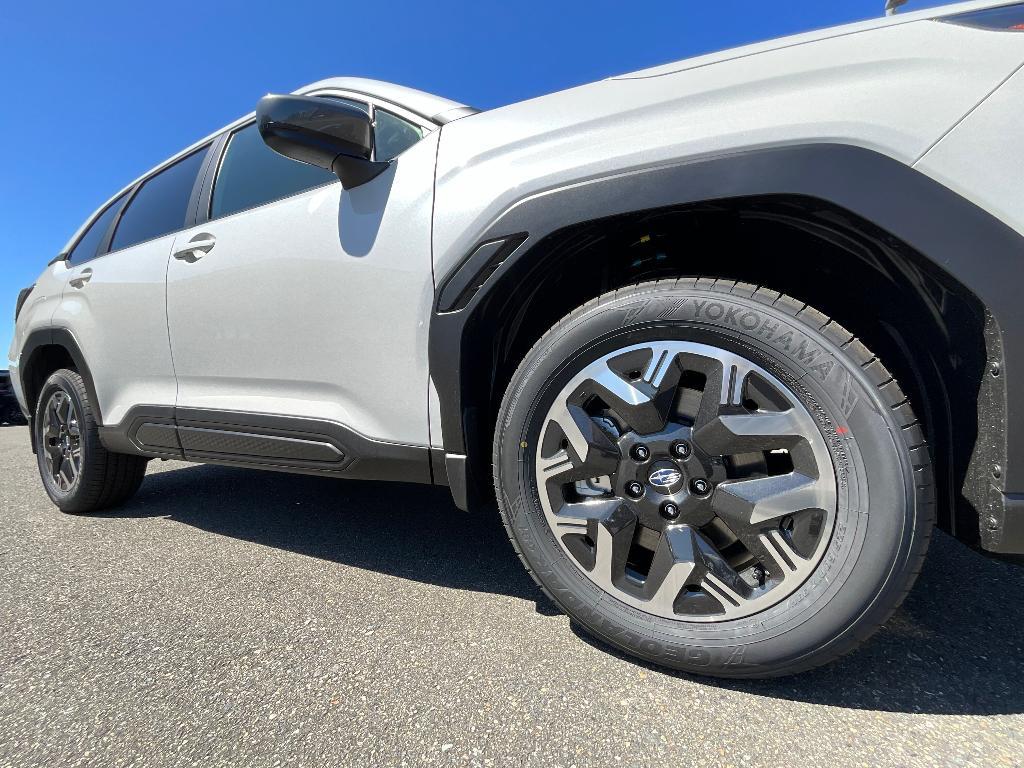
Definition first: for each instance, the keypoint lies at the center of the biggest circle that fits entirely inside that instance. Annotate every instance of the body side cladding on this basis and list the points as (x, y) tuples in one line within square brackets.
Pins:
[(265, 441), (949, 231)]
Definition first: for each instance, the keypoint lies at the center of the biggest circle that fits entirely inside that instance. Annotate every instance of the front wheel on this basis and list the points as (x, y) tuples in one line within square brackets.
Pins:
[(714, 477)]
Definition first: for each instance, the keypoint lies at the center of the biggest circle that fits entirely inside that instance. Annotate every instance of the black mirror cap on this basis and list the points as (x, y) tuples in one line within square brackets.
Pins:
[(328, 134)]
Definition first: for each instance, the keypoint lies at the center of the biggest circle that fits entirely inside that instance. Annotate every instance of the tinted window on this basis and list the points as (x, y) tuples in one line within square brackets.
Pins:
[(161, 205), (1011, 18), (392, 135), (89, 242), (252, 173)]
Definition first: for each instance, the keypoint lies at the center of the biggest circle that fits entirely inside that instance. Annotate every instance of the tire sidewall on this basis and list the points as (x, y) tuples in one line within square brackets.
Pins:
[(848, 590)]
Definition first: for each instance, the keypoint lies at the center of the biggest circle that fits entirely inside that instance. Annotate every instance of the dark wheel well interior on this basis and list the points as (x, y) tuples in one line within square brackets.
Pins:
[(43, 361), (928, 329)]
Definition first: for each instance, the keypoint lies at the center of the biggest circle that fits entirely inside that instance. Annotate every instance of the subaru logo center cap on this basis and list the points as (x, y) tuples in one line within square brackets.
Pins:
[(665, 477)]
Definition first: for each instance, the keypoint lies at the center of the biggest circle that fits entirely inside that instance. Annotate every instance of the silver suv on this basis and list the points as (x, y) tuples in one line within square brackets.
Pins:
[(723, 339)]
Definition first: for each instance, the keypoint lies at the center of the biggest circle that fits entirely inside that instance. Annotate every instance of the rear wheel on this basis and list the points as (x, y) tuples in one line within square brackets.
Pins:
[(78, 473), (714, 477)]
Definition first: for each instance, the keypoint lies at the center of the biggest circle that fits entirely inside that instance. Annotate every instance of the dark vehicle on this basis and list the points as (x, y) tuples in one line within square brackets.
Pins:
[(10, 411)]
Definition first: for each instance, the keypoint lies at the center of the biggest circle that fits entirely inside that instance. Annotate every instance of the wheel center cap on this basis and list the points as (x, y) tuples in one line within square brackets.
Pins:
[(665, 477)]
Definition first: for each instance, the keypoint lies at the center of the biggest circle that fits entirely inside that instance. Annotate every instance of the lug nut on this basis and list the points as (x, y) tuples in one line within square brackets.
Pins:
[(700, 486), (640, 452), (681, 450), (635, 489), (669, 510)]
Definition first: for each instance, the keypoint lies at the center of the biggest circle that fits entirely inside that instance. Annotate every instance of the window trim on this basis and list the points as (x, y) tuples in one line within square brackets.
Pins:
[(101, 247)]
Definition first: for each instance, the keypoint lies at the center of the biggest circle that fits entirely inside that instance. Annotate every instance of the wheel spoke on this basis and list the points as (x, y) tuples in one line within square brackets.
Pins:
[(67, 472), (677, 562), (52, 420), (76, 459), (614, 534), (750, 503), (787, 560), (69, 412), (580, 514), (730, 434), (58, 405), (591, 452), (57, 467), (752, 509), (684, 557), (644, 403)]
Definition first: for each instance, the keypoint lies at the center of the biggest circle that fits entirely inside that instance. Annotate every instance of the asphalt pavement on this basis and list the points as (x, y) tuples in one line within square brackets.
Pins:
[(234, 617)]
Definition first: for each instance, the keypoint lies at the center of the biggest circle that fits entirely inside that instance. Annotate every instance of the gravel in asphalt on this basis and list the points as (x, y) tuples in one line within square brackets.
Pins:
[(233, 617)]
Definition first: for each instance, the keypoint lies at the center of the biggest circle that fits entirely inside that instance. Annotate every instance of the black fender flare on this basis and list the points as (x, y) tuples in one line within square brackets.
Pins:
[(56, 337), (941, 225)]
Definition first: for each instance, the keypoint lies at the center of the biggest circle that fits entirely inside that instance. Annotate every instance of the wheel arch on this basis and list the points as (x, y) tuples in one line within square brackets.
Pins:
[(895, 221), (47, 350)]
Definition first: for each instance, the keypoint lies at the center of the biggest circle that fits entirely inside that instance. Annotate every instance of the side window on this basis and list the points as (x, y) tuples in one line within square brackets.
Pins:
[(161, 205), (252, 174), (90, 240), (392, 135)]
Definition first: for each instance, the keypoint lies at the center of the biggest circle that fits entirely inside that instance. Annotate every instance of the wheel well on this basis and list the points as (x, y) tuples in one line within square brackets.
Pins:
[(928, 329), (43, 361)]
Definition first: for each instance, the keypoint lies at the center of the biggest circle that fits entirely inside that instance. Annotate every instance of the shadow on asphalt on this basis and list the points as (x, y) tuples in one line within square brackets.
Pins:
[(955, 647), (403, 529)]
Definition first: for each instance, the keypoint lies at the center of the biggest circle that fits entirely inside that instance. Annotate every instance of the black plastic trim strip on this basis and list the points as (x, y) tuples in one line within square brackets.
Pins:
[(438, 473), (199, 205), (471, 275), (458, 479), (265, 441)]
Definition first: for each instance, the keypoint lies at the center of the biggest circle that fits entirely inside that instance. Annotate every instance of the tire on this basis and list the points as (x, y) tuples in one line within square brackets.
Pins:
[(87, 477), (818, 498)]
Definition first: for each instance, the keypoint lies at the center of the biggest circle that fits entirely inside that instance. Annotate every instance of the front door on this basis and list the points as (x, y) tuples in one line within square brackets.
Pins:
[(300, 299)]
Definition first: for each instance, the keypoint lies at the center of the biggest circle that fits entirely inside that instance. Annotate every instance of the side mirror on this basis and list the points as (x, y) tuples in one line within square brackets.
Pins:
[(328, 134)]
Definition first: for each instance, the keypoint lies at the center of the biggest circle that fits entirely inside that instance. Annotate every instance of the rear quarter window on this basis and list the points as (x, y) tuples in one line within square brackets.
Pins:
[(89, 243)]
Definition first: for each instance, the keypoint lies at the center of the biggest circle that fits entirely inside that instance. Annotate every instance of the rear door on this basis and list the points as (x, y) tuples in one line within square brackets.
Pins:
[(114, 302), (299, 299)]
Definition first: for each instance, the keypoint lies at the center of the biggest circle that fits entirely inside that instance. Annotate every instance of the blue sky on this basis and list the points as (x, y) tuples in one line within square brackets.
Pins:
[(93, 94)]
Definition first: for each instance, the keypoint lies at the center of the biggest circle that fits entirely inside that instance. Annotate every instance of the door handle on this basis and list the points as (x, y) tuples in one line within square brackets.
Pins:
[(82, 278), (196, 248)]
